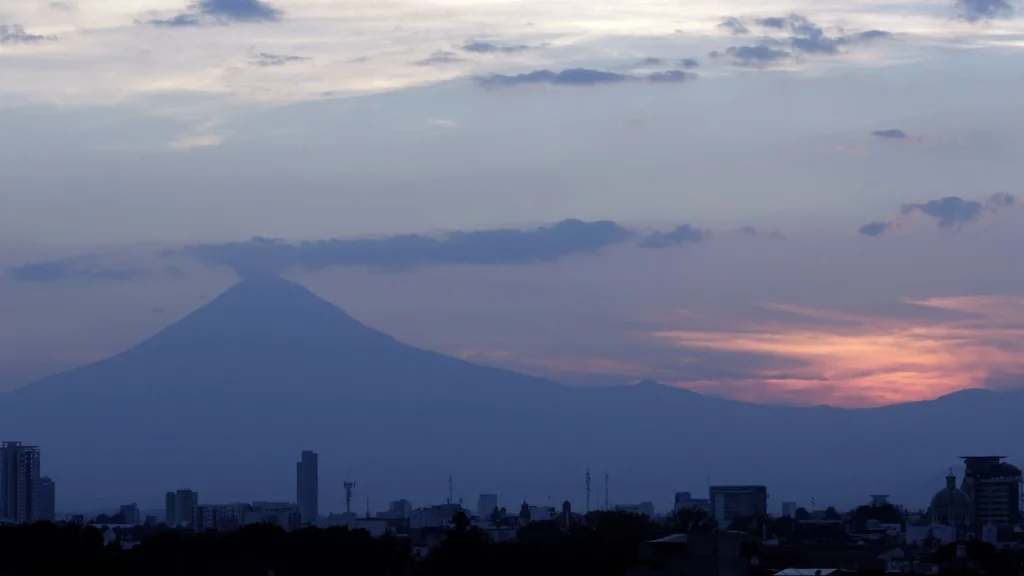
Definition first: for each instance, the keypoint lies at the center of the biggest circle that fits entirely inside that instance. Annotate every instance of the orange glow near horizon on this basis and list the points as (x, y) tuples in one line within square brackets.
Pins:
[(873, 360)]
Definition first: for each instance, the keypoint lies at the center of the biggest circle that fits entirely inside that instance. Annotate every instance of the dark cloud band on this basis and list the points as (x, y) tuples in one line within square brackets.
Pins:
[(411, 251)]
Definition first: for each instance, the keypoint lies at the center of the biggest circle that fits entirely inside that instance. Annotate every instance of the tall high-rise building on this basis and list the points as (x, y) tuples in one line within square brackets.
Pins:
[(178, 507), (47, 499), (485, 505), (20, 483), (994, 490), (170, 509), (307, 489)]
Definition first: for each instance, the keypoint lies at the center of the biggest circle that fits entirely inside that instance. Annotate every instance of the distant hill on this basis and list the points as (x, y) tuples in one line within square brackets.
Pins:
[(224, 400)]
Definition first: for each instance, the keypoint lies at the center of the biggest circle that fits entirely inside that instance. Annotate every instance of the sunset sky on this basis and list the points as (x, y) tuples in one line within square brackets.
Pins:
[(782, 202)]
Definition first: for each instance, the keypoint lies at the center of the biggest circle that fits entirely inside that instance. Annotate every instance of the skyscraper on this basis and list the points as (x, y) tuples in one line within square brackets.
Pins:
[(178, 507), (20, 483), (307, 487), (48, 499), (486, 505)]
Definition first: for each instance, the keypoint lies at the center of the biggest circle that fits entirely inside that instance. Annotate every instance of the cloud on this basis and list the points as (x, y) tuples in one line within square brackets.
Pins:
[(982, 10), (945, 345), (670, 76), (240, 10), (757, 233), (948, 212), (411, 251), (266, 60), (650, 62), (570, 77), (890, 134), (805, 37), (488, 48), (681, 235), (220, 12), (195, 141), (439, 57), (16, 34), (875, 228), (688, 63), (178, 21), (62, 6), (734, 26), (758, 56), (55, 270), (1001, 200)]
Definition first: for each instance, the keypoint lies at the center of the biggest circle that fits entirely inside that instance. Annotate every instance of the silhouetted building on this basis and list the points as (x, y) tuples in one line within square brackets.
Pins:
[(485, 505), (993, 487), (731, 502), (129, 513), (789, 509), (684, 501), (951, 506), (179, 507), (307, 489), (20, 483), (397, 510), (47, 499), (643, 508)]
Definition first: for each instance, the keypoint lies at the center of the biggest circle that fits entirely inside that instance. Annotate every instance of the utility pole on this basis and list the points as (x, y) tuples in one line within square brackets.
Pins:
[(605, 490)]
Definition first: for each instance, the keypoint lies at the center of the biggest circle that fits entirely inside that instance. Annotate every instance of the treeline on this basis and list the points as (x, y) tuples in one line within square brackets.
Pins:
[(609, 543)]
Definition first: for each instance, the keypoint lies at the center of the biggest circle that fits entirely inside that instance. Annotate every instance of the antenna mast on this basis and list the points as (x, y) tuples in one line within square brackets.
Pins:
[(605, 490), (586, 479), (449, 488), (349, 485)]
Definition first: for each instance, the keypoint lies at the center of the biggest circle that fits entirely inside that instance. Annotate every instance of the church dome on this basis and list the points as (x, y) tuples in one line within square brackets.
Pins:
[(950, 506)]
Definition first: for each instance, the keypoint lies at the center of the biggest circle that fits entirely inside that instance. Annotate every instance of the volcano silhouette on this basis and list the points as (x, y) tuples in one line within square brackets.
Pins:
[(224, 400)]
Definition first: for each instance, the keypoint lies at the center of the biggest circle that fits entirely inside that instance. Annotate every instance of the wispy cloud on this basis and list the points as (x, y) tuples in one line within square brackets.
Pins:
[(947, 212), (411, 251), (571, 77), (16, 34), (734, 26), (489, 48), (850, 356), (56, 270), (265, 60), (439, 57), (213, 12), (981, 10), (684, 234)]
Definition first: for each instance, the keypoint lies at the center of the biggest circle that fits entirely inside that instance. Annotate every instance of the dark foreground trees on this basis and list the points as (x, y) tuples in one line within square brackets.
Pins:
[(603, 543)]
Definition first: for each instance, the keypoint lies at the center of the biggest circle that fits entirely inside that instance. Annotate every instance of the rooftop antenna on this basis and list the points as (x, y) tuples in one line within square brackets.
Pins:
[(349, 485), (449, 488), (586, 479), (606, 491), (367, 506)]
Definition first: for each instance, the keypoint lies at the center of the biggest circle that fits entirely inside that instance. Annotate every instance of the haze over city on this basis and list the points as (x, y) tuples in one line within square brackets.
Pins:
[(784, 204)]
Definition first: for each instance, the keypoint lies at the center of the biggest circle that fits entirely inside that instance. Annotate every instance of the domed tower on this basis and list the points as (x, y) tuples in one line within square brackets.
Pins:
[(951, 506)]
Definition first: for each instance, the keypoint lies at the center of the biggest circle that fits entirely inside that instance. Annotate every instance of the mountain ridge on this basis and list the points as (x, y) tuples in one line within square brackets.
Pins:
[(224, 399)]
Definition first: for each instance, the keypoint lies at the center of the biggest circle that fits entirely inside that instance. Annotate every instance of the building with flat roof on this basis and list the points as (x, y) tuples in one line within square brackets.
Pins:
[(731, 502), (993, 488), (307, 486), (20, 483)]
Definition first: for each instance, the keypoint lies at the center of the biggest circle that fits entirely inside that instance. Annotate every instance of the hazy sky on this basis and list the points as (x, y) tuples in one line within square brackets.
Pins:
[(846, 170)]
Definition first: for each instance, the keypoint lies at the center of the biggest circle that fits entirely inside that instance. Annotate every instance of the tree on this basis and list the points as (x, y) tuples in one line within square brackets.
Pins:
[(832, 514), (802, 514), (693, 519)]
